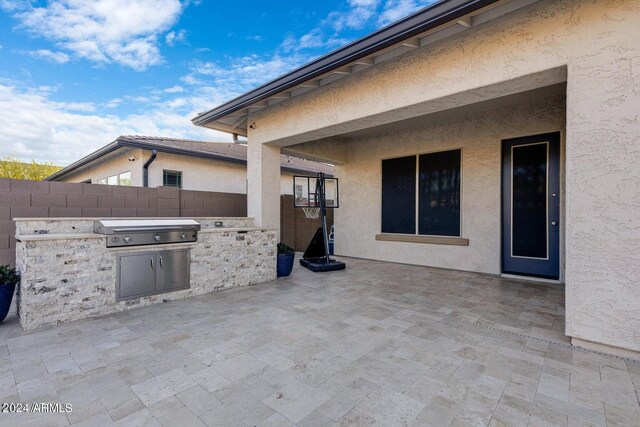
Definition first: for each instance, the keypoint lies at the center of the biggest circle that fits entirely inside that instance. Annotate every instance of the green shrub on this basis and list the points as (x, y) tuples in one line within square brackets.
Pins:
[(8, 275), (283, 248)]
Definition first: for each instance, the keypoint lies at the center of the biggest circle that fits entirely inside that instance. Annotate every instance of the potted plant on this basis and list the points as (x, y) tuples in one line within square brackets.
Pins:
[(8, 280), (286, 256)]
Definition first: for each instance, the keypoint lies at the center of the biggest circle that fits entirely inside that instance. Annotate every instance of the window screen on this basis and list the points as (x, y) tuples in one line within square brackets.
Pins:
[(172, 179), (399, 195), (439, 194), (434, 186)]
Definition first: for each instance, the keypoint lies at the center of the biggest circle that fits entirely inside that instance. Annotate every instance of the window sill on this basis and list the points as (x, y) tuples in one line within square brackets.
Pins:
[(432, 240)]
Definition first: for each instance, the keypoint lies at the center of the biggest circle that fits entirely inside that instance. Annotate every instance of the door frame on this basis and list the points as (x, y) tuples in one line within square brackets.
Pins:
[(555, 154)]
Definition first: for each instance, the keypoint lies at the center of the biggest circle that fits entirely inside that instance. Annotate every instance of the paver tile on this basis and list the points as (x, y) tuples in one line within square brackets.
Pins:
[(377, 344)]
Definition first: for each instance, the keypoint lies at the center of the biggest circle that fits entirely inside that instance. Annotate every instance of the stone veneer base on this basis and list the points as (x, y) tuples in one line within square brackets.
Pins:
[(69, 277)]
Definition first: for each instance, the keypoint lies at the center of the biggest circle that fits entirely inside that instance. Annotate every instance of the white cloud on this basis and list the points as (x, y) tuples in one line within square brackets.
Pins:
[(83, 107), (314, 39), (356, 16), (113, 103), (397, 9), (141, 99), (11, 5), (226, 82), (174, 37), (43, 129), (174, 89), (59, 57), (104, 31), (190, 79)]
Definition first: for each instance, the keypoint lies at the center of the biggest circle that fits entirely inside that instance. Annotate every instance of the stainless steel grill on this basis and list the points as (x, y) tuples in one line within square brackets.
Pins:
[(138, 232)]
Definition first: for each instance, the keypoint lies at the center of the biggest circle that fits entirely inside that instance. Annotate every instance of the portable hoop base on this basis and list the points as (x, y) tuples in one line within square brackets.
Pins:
[(320, 264), (315, 258)]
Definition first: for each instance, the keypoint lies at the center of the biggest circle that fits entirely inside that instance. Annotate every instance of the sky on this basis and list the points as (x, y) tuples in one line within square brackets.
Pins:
[(76, 74)]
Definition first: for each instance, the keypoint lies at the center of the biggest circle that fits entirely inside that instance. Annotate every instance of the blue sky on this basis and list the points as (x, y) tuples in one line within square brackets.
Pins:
[(75, 74)]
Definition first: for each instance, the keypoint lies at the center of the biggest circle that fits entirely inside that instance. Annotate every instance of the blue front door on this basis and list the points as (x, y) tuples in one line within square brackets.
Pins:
[(531, 205)]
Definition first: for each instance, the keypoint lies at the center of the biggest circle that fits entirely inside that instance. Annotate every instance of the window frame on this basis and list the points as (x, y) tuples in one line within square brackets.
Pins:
[(120, 180), (417, 195), (164, 171)]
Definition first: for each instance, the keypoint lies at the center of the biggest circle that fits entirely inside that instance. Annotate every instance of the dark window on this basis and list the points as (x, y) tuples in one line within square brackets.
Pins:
[(399, 195), (439, 194), (434, 186), (172, 179)]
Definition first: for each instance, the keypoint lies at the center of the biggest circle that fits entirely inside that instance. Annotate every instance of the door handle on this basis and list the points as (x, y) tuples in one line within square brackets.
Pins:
[(554, 223), (151, 262), (161, 266)]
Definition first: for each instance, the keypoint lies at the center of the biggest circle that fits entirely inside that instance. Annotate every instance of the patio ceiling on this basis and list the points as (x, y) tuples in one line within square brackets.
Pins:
[(327, 144)]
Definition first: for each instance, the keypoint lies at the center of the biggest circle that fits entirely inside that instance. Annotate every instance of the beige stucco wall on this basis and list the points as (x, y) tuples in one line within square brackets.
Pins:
[(112, 165), (596, 43), (357, 221), (197, 173), (200, 174)]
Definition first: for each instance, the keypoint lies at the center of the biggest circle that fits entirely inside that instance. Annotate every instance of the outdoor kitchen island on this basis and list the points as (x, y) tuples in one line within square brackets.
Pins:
[(70, 272)]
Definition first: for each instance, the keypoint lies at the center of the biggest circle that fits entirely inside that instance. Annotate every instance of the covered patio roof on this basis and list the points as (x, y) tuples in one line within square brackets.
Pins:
[(435, 22)]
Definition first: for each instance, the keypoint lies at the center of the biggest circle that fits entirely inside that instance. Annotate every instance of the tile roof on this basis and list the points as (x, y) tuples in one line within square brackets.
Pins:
[(224, 151)]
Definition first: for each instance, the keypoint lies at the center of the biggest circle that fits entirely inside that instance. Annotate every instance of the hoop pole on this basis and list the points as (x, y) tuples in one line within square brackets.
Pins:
[(323, 212)]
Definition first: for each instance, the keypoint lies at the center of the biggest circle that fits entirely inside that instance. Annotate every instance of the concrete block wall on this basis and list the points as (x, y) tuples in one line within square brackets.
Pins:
[(44, 199)]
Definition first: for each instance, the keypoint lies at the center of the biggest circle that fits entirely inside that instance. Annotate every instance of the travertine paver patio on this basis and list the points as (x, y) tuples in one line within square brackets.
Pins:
[(379, 343)]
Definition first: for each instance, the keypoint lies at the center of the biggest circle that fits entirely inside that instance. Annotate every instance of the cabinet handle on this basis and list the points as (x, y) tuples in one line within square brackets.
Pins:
[(161, 263), (151, 262)]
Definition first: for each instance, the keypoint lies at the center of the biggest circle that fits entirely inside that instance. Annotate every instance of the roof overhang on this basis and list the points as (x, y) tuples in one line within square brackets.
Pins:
[(107, 149), (442, 19), (123, 142)]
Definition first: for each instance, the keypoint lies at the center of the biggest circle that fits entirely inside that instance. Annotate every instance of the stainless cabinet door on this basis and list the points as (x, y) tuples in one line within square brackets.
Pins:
[(172, 270), (136, 275)]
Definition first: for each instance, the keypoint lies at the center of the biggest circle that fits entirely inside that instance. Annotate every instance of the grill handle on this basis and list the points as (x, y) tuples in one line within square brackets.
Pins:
[(152, 228)]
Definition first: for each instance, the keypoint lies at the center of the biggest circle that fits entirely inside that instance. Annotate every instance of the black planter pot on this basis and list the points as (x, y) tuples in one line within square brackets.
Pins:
[(6, 295), (285, 264)]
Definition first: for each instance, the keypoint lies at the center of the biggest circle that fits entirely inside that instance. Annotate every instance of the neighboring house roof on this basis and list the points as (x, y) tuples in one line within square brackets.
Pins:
[(229, 152), (405, 33)]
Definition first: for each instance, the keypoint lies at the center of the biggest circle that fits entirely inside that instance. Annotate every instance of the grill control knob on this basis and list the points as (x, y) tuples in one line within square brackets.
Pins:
[(157, 237), (183, 236), (127, 239)]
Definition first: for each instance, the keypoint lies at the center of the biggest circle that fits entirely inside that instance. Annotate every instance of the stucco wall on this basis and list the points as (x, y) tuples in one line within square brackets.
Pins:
[(596, 42), (112, 165), (200, 174), (479, 135)]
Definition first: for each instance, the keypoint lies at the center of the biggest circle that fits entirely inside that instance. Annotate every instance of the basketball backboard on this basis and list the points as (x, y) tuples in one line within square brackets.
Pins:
[(304, 192)]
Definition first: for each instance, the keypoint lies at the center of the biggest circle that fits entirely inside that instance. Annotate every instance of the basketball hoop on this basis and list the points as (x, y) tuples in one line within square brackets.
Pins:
[(311, 213), (314, 196)]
